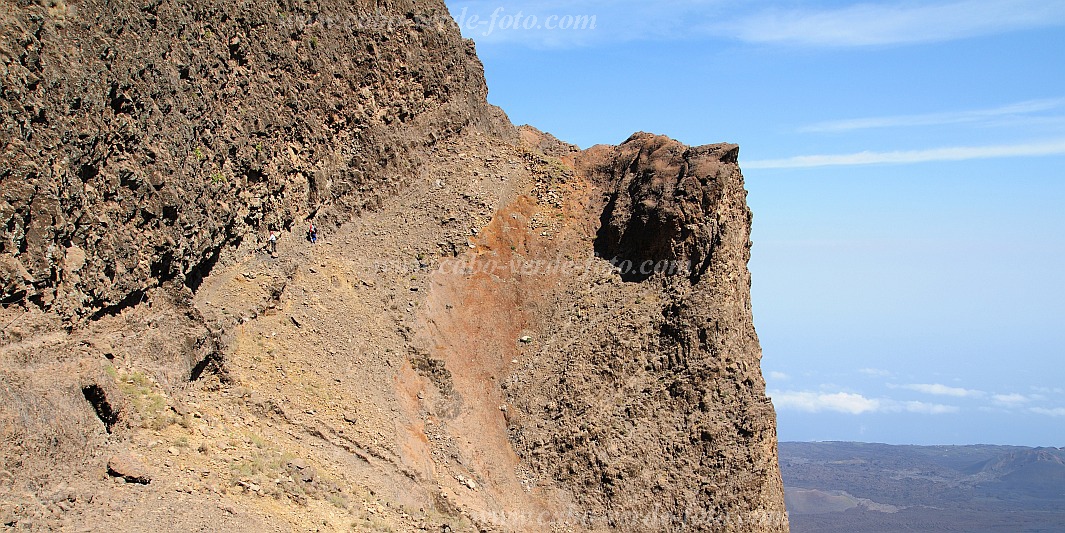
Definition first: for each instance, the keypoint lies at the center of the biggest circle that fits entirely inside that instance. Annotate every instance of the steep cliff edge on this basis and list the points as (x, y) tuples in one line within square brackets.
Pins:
[(634, 385), (668, 359), (496, 332)]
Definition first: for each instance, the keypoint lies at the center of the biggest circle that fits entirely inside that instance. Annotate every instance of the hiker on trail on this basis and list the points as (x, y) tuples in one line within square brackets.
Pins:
[(272, 243), (312, 233)]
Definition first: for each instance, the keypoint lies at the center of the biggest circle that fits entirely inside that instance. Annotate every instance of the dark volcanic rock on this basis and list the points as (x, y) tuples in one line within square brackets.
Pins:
[(141, 139), (651, 406), (661, 203)]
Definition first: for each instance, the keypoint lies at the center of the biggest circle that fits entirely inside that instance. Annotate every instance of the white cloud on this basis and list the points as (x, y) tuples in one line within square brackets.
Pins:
[(778, 376), (942, 390), (1057, 411), (1013, 399), (956, 153), (882, 23), (937, 119), (876, 372), (851, 403), (815, 402), (928, 408)]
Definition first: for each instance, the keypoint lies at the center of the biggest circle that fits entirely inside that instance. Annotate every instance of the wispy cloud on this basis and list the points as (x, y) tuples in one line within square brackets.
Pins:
[(815, 402), (1011, 400), (1057, 411), (938, 389), (1048, 390), (882, 23), (875, 372), (851, 403), (938, 119), (956, 153), (928, 408), (778, 376), (858, 24)]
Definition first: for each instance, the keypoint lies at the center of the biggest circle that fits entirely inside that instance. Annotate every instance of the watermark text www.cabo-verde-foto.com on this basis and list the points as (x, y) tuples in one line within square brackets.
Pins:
[(503, 21)]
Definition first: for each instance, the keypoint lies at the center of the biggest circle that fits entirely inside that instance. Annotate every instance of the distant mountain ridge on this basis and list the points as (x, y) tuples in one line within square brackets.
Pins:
[(1027, 468), (864, 487)]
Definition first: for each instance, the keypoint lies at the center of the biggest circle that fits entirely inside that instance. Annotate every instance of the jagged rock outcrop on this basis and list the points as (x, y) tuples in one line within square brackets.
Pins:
[(663, 204), (650, 404), (497, 332)]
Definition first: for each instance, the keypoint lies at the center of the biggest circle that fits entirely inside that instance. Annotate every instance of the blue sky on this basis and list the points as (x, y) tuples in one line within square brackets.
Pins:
[(906, 166)]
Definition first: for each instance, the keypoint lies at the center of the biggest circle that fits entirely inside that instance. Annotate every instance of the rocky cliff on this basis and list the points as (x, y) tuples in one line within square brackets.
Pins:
[(497, 331), (668, 357), (141, 140)]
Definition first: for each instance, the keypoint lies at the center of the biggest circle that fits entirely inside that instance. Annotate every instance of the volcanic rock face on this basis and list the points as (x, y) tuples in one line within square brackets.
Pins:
[(497, 331), (142, 139), (650, 402)]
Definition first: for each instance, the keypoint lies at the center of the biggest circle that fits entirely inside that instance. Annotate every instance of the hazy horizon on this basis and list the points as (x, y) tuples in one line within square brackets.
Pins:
[(904, 167)]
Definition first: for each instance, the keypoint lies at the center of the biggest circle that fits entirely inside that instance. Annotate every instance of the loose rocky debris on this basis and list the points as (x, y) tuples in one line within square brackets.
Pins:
[(129, 468)]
